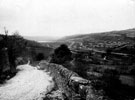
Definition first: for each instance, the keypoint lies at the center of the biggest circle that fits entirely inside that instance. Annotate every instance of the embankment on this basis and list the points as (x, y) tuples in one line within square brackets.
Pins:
[(71, 84)]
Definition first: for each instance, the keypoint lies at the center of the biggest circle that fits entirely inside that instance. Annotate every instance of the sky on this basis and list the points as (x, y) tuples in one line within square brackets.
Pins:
[(58, 18)]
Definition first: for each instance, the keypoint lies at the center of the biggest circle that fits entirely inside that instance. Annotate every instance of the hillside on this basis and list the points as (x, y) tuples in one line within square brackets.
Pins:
[(29, 44), (107, 59), (100, 41), (128, 33), (36, 48)]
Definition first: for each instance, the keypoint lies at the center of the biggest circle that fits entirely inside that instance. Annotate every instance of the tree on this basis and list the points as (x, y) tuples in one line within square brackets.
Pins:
[(40, 56), (61, 54)]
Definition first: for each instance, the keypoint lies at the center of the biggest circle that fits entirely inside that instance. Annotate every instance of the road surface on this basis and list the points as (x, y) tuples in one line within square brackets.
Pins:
[(28, 84)]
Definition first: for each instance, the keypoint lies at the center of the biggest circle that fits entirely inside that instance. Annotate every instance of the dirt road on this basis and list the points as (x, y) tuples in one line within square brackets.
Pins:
[(28, 84)]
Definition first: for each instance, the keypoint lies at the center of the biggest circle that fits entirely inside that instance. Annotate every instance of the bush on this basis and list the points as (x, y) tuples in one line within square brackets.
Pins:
[(40, 56), (61, 55)]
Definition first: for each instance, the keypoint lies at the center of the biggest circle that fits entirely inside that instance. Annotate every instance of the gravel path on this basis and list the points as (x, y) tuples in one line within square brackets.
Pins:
[(28, 84)]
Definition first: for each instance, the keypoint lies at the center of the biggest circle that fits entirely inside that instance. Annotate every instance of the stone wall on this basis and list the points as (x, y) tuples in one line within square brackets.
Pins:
[(70, 83)]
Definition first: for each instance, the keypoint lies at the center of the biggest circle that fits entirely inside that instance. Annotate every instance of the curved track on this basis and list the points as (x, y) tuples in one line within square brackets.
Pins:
[(28, 84)]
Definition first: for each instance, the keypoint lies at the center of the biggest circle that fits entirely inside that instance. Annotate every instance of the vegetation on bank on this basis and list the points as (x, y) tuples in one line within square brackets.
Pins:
[(15, 50)]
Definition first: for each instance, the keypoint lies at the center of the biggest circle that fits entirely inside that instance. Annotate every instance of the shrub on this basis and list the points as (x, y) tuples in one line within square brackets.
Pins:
[(40, 56), (61, 55)]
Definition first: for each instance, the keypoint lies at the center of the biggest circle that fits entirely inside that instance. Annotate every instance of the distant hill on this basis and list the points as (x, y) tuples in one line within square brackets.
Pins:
[(127, 33), (100, 41), (41, 38)]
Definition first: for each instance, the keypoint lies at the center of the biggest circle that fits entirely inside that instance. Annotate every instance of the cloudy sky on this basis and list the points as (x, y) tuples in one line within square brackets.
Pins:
[(59, 18)]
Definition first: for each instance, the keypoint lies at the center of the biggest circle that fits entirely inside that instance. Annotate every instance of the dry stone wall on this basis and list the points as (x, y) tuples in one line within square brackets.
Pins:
[(70, 83)]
